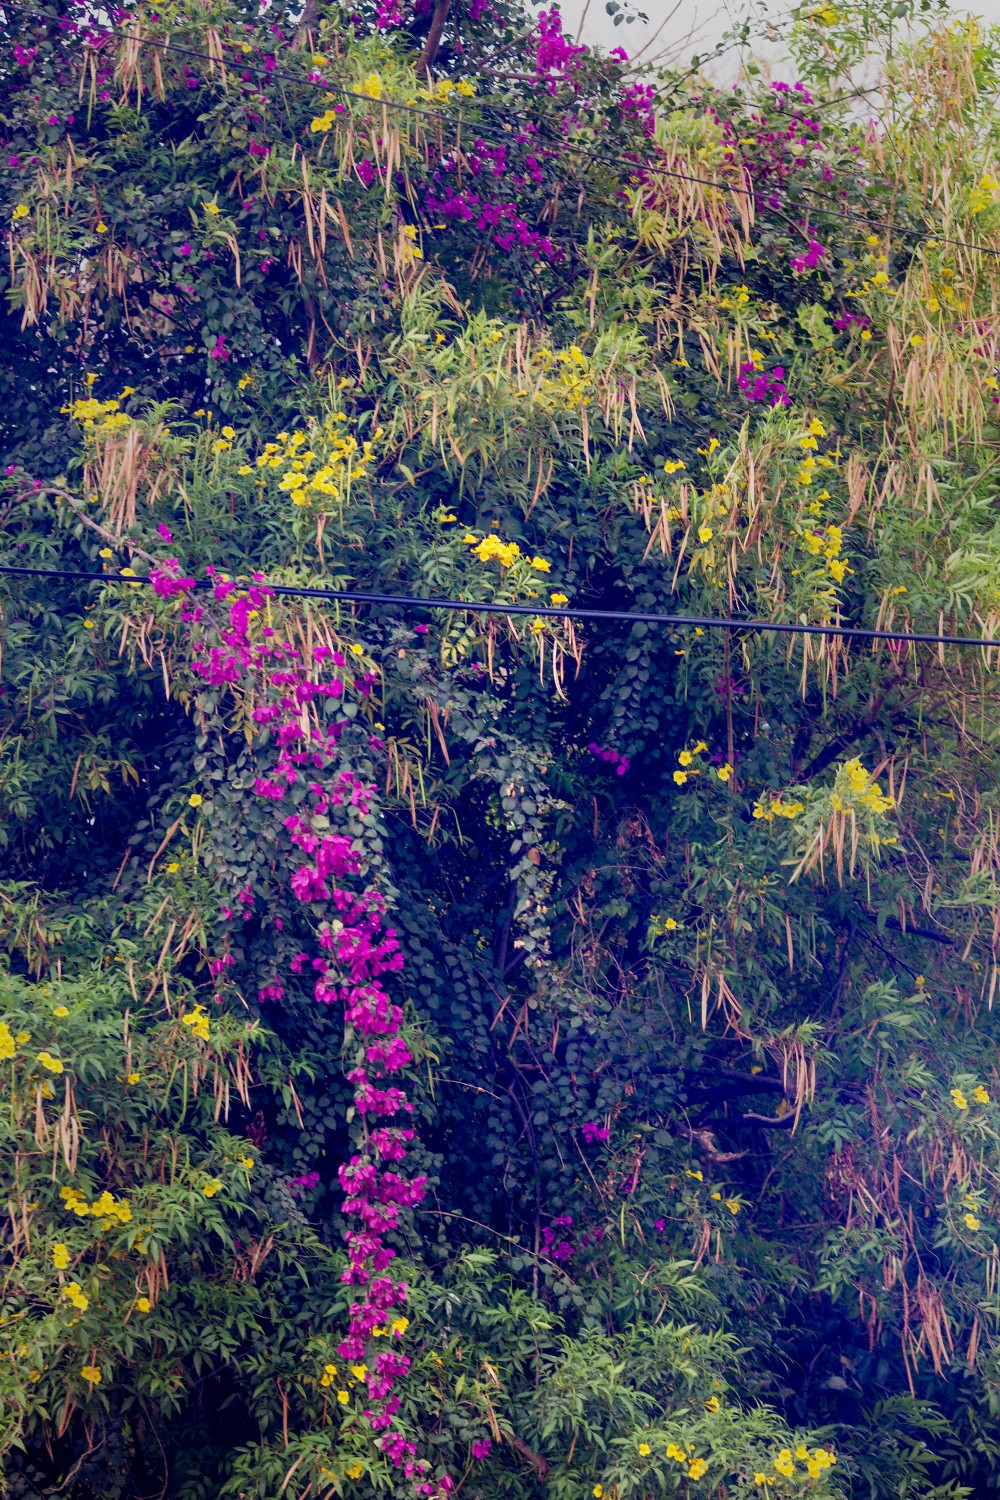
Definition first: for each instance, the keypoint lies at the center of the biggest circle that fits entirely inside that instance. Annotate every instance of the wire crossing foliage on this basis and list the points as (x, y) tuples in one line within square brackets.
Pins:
[(541, 611)]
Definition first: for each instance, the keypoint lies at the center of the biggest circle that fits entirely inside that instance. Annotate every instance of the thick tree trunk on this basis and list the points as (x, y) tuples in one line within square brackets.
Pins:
[(308, 19), (433, 42)]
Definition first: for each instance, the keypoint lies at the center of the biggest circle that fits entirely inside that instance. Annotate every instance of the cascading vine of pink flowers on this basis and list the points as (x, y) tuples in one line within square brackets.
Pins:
[(356, 950)]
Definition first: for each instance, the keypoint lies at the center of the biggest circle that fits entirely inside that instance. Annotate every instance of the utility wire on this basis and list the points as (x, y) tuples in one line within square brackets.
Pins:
[(498, 138), (636, 617)]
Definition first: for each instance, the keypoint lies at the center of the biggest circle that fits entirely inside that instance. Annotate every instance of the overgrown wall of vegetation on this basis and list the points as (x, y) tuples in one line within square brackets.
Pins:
[(511, 1052)]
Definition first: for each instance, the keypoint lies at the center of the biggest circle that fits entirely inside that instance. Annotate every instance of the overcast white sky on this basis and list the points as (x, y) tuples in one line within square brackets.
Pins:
[(693, 25), (683, 27)]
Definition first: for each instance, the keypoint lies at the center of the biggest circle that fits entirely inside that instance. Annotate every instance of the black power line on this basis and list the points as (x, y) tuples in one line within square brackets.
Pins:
[(636, 617)]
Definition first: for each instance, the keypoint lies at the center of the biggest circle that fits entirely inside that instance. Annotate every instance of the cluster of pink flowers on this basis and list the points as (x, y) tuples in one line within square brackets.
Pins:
[(511, 229), (848, 320), (553, 1245), (304, 1184), (763, 385), (557, 1246), (356, 951), (592, 1132), (810, 257), (556, 58), (613, 758), (637, 101), (778, 149)]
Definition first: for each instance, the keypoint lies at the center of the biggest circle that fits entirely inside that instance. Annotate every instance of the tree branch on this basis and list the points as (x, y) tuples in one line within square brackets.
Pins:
[(743, 1083), (308, 19), (102, 531), (433, 42), (896, 925), (762, 1122), (539, 1463)]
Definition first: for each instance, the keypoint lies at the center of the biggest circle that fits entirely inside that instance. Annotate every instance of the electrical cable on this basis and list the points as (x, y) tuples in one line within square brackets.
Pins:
[(500, 139), (635, 617)]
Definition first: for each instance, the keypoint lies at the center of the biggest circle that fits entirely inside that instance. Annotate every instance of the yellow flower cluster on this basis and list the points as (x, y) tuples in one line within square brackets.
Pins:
[(766, 809), (104, 1207), (828, 544), (714, 506), (813, 459), (492, 548), (686, 766), (53, 1064), (398, 1327), (306, 474), (96, 416), (873, 281), (7, 1044), (944, 293), (411, 247), (60, 1256), (197, 1019), (739, 298), (320, 124), (979, 1093), (572, 382), (815, 1462), (862, 790), (74, 1293), (981, 196), (444, 88), (696, 1467), (807, 473), (91, 1374), (370, 87), (733, 1204)]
